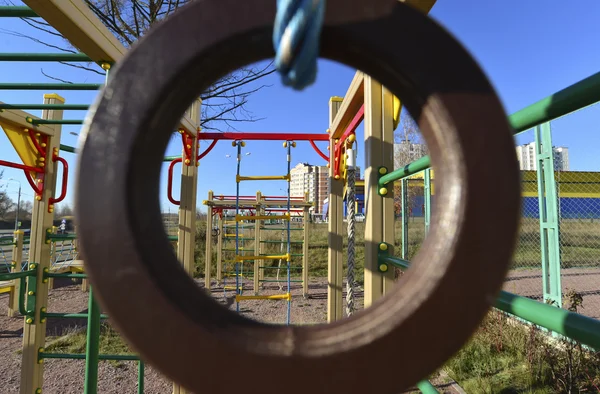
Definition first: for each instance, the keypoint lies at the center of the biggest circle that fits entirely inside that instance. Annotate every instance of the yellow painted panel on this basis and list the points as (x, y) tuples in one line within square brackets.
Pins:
[(22, 144)]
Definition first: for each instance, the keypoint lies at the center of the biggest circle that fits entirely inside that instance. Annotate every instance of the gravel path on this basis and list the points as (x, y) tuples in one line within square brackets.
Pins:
[(67, 376)]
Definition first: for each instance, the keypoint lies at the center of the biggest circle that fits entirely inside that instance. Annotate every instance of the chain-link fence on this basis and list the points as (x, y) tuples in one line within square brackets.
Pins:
[(525, 275), (579, 223)]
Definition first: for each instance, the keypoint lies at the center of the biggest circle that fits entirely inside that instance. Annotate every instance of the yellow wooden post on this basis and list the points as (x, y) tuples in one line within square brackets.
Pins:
[(186, 234), (378, 153), (220, 250), (208, 256), (387, 161), (17, 261), (261, 246), (257, 243), (335, 213), (34, 332), (306, 222)]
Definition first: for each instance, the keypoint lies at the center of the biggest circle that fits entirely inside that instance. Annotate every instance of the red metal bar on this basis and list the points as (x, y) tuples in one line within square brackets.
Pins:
[(170, 181), (351, 129), (36, 188), (40, 150), (316, 148), (207, 151), (65, 179), (264, 136), (20, 166)]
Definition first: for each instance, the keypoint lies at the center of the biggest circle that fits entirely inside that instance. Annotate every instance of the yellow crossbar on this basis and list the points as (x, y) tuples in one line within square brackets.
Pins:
[(232, 288), (286, 296), (239, 218), (6, 289), (233, 236), (240, 178), (286, 257)]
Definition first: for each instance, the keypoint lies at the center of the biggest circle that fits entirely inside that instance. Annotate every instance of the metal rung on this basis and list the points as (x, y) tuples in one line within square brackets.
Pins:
[(264, 257), (282, 242), (240, 178), (286, 296), (279, 268), (239, 218), (282, 229), (280, 281)]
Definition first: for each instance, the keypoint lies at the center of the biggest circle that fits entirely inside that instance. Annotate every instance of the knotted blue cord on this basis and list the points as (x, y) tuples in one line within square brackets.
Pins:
[(296, 38)]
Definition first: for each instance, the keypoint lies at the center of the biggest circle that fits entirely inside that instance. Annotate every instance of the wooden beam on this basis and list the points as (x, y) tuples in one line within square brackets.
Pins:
[(78, 24), (422, 5), (17, 118), (352, 102)]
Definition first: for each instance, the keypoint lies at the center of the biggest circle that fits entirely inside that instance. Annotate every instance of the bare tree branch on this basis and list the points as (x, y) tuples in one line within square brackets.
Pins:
[(54, 78), (83, 68), (225, 103)]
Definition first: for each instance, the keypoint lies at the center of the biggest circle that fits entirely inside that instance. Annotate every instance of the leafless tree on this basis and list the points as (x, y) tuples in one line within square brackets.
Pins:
[(409, 146), (63, 210), (6, 204), (224, 103)]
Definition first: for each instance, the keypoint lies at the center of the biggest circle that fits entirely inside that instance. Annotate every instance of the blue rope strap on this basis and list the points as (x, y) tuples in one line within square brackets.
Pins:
[(296, 36)]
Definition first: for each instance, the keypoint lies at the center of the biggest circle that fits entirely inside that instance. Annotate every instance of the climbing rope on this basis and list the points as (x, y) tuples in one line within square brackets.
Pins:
[(296, 38), (351, 215)]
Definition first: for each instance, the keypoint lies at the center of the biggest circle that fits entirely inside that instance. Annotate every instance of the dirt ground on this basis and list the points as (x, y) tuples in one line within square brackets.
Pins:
[(67, 376)]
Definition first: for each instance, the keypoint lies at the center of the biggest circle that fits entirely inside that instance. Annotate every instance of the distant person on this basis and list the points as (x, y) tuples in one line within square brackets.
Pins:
[(62, 229)]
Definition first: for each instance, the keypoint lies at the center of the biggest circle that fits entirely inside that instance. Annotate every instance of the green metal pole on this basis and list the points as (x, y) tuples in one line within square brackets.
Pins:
[(573, 325), (570, 324), (427, 198), (17, 12), (67, 148), (50, 86), (426, 387), (50, 121), (575, 97), (44, 57), (75, 107), (92, 348), (405, 210), (549, 215), (140, 377)]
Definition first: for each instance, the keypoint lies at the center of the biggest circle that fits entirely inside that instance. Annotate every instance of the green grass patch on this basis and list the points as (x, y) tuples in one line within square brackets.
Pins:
[(74, 342)]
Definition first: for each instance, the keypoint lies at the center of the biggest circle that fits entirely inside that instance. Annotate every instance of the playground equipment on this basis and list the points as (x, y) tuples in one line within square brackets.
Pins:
[(325, 353), (261, 206), (442, 88)]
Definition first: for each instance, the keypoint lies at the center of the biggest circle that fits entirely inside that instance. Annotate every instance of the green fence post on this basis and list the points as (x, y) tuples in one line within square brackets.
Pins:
[(404, 212), (549, 215), (140, 377), (427, 198), (92, 347)]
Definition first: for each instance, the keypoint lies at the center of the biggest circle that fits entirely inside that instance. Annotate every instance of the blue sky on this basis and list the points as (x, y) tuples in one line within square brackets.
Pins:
[(528, 49)]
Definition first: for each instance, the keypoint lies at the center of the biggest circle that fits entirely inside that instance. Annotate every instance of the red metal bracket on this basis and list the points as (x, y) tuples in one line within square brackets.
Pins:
[(188, 141), (41, 149), (37, 188), (207, 151), (340, 145), (170, 181), (316, 148), (65, 180)]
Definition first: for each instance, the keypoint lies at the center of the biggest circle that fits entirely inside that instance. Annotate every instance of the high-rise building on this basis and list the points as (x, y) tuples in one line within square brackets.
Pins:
[(526, 154), (311, 179)]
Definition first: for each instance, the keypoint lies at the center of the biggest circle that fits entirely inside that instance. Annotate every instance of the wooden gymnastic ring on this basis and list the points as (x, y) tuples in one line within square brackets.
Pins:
[(392, 344)]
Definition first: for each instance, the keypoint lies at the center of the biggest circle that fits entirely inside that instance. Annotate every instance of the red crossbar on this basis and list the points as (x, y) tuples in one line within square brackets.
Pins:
[(228, 135)]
